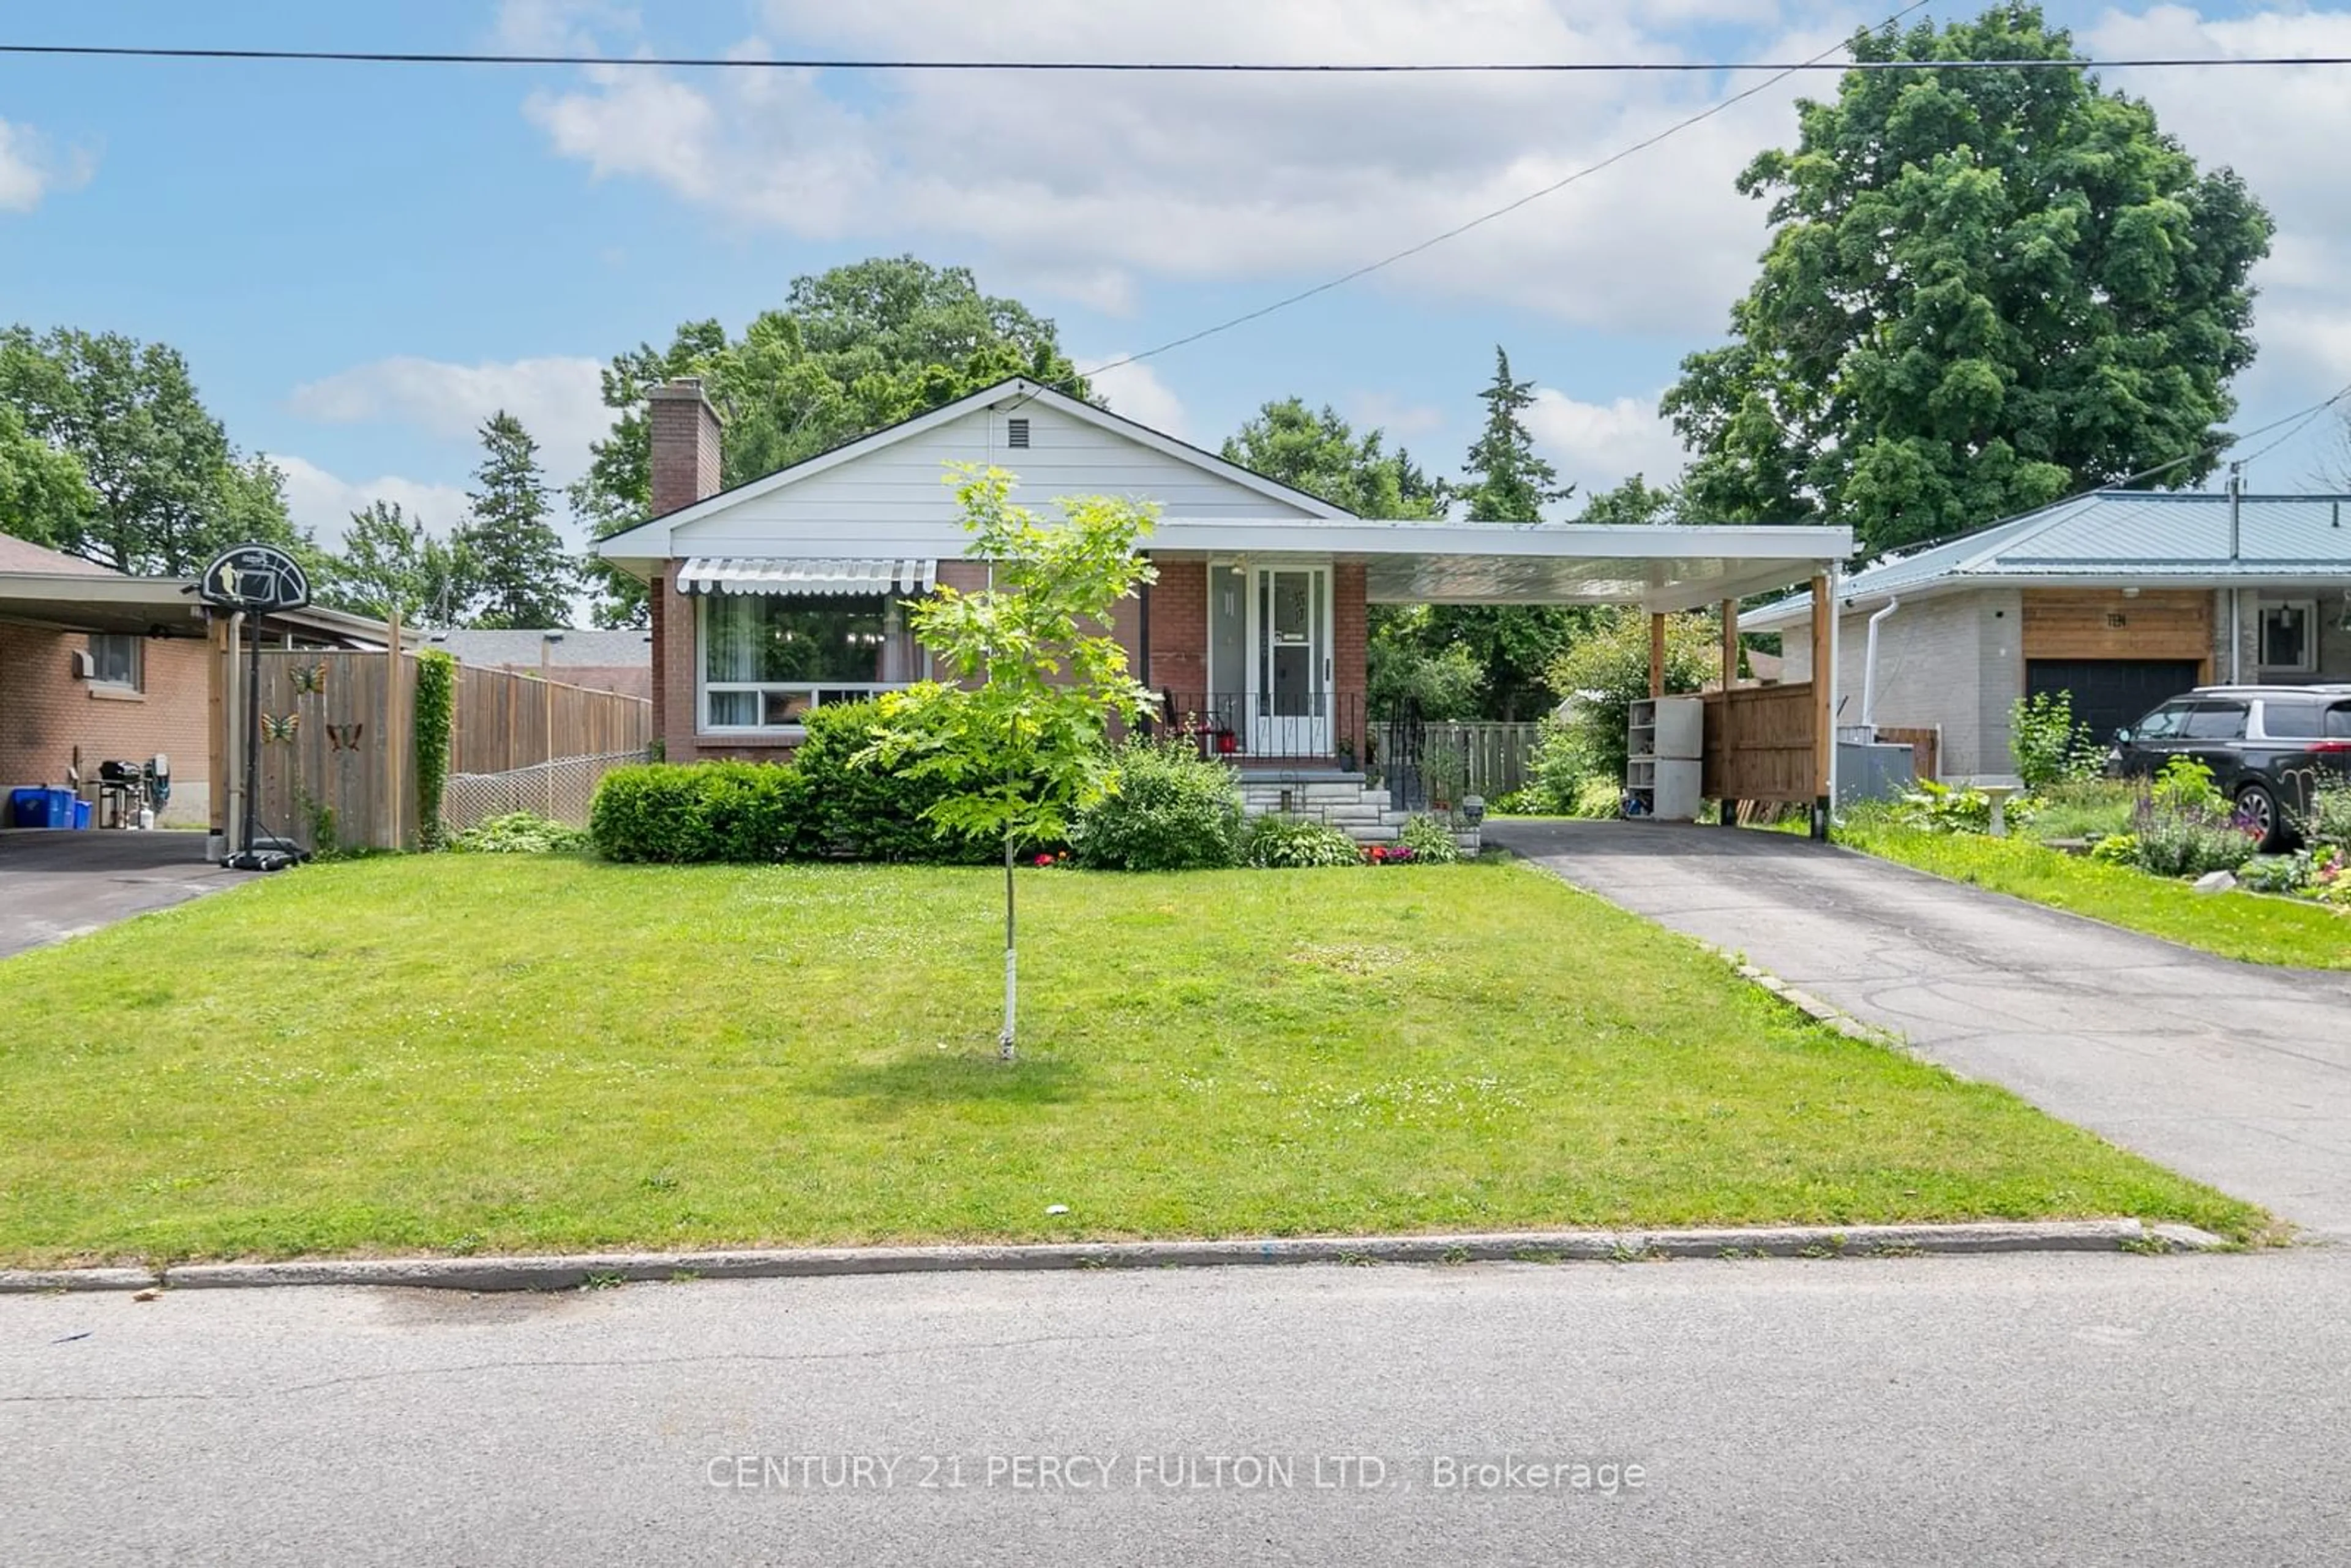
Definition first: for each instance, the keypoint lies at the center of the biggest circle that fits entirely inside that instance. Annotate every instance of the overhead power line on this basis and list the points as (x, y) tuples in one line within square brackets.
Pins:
[(1157, 68)]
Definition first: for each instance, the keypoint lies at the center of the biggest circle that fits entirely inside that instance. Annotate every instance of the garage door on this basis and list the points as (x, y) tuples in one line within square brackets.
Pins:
[(2110, 692)]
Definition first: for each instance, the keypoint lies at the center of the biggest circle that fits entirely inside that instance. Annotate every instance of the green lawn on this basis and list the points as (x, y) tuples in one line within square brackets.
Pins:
[(2235, 924), (482, 1053)]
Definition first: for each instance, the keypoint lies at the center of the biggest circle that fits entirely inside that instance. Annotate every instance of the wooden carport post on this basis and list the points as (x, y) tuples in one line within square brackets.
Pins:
[(1729, 809), (1824, 705), (1657, 656)]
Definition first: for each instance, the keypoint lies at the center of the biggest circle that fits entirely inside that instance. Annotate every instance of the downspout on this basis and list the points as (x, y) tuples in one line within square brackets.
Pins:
[(1836, 656), (2236, 538), (1869, 670)]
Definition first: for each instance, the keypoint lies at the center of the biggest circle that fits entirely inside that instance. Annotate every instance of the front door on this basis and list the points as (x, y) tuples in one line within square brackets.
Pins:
[(1290, 662)]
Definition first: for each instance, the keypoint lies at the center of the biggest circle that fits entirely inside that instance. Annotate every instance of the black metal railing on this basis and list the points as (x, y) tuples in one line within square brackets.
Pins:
[(1310, 730)]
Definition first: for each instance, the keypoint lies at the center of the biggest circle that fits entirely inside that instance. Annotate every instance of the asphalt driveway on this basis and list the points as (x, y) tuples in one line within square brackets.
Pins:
[(54, 885), (2237, 1074)]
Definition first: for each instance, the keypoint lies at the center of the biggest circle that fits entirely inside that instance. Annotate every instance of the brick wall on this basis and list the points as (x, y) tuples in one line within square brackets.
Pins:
[(1179, 628), (1350, 646), (45, 711), (673, 626)]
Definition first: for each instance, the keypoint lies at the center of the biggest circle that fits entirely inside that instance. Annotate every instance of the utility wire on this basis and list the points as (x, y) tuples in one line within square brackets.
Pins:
[(1174, 67), (1484, 218)]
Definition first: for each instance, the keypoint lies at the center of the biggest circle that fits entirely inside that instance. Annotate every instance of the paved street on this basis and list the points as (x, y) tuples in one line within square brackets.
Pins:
[(2235, 1073), (56, 884), (2079, 1409)]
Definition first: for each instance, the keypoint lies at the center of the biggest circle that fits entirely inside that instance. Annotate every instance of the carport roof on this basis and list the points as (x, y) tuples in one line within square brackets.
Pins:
[(105, 602), (1661, 566)]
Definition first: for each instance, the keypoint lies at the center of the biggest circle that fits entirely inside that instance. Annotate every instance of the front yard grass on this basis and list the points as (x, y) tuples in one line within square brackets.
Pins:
[(2242, 925), (486, 1053)]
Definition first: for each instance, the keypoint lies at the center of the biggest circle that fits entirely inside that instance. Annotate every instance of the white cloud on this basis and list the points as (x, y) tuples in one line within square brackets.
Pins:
[(1136, 392), (1598, 445), (30, 169), (1084, 184), (1398, 418), (560, 26), (322, 502), (560, 401)]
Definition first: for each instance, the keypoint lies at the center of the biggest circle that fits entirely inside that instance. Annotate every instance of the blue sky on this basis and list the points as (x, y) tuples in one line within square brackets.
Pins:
[(360, 262)]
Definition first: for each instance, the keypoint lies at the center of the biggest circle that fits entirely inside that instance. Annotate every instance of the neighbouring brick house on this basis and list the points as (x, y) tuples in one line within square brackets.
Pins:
[(71, 698), (787, 592), (2120, 599)]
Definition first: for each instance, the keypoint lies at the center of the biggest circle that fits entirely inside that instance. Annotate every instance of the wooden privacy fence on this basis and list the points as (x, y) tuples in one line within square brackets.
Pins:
[(1759, 744), (338, 749), (1496, 753)]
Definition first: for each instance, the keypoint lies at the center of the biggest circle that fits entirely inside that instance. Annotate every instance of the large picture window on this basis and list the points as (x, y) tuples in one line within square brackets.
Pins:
[(768, 658)]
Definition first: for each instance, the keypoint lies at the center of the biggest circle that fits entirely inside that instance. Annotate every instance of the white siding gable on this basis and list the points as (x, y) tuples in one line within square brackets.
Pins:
[(896, 498)]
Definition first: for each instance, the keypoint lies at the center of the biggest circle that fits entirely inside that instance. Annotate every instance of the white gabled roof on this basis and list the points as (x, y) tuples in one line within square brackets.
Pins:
[(651, 540)]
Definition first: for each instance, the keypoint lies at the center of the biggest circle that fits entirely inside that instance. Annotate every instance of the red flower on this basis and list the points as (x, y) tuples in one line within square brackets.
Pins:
[(1044, 860)]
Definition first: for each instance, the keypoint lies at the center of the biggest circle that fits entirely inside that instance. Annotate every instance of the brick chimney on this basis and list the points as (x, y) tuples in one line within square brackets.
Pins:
[(686, 444)]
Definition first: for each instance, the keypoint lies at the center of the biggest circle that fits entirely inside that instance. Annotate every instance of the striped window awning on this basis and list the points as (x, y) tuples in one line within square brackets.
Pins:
[(771, 574)]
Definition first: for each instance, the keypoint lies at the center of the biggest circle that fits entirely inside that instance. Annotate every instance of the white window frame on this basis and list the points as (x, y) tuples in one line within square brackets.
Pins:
[(704, 686), (136, 644), (2309, 610)]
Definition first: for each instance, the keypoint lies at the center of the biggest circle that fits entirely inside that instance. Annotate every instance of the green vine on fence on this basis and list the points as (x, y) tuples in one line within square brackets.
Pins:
[(436, 709)]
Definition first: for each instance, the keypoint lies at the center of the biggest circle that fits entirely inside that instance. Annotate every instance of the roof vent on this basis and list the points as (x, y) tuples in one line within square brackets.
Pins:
[(1016, 433)]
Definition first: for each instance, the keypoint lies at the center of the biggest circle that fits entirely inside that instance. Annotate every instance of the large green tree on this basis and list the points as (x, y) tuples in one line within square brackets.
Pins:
[(849, 352), (42, 496), (1318, 452), (521, 575), (389, 563), (1985, 288), (166, 490)]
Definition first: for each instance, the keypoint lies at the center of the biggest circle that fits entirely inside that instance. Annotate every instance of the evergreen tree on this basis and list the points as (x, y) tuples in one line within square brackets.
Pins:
[(1507, 482), (523, 577)]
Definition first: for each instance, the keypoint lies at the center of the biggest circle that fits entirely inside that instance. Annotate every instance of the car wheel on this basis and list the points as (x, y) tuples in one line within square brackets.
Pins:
[(2257, 805)]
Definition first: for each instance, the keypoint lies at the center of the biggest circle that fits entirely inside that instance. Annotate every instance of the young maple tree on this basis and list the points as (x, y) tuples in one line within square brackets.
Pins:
[(1021, 744)]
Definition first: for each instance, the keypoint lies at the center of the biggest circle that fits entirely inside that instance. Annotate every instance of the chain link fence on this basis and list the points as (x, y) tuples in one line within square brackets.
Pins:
[(559, 789)]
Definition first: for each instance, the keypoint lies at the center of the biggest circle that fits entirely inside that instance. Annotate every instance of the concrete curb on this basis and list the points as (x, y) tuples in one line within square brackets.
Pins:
[(563, 1272)]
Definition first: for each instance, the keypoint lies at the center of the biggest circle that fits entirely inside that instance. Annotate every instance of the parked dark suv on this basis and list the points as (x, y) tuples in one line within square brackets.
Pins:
[(2268, 747)]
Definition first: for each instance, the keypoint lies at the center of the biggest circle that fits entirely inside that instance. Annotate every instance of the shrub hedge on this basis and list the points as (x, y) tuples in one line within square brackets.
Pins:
[(682, 813), (869, 812), (1169, 809)]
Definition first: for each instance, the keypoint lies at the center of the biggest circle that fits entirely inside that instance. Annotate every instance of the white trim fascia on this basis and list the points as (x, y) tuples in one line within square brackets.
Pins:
[(1554, 541)]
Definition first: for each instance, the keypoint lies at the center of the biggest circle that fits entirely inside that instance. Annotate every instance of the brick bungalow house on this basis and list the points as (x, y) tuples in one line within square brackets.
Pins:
[(2120, 599), (785, 594)]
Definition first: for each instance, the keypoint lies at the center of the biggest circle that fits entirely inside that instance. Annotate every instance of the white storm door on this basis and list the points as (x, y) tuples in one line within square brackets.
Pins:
[(1290, 662)]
